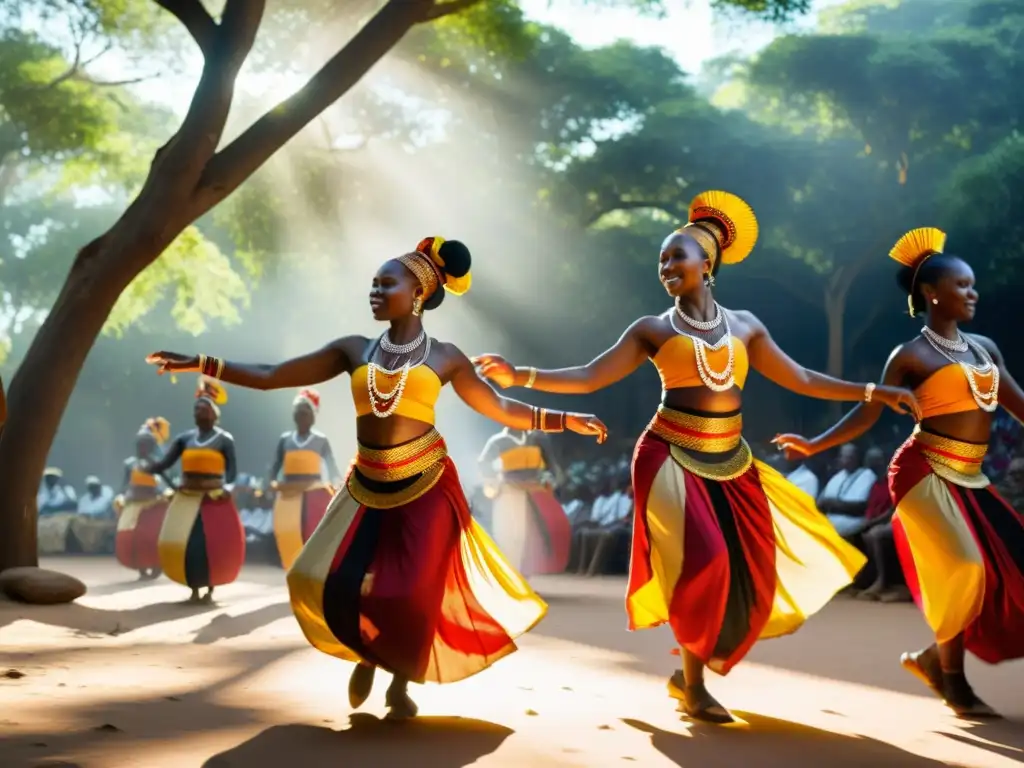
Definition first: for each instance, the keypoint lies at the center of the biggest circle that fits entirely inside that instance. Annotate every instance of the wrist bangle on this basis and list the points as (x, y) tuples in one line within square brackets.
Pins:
[(869, 391), (534, 418), (211, 367), (531, 378), (552, 421)]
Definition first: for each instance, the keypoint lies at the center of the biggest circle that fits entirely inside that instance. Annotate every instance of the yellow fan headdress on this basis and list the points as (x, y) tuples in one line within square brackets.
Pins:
[(914, 249), (159, 428), (212, 392), (724, 226)]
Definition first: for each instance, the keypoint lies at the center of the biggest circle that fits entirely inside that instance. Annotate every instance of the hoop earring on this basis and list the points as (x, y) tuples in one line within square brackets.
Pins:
[(935, 301), (417, 306)]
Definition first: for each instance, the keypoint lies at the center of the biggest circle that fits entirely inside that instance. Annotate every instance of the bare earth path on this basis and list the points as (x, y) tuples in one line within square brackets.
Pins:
[(131, 677)]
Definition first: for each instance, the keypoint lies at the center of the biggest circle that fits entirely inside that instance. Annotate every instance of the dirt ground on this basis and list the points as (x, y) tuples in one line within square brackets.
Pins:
[(129, 676)]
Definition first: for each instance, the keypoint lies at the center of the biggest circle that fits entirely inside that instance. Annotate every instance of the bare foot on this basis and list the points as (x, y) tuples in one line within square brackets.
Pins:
[(898, 594), (924, 665), (400, 704), (962, 699), (874, 592)]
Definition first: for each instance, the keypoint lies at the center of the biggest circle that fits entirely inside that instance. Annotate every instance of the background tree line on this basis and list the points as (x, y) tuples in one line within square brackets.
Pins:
[(562, 167)]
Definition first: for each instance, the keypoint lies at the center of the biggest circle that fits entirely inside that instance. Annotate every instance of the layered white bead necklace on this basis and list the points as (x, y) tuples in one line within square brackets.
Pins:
[(716, 381), (987, 401), (384, 404)]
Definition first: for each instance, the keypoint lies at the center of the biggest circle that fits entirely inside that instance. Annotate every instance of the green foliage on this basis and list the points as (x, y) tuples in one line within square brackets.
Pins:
[(195, 276)]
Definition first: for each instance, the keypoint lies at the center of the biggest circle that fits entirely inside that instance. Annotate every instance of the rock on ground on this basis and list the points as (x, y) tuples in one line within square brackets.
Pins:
[(39, 586)]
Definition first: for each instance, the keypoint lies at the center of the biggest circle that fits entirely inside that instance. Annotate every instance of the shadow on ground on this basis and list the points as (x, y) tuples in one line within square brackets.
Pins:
[(427, 742), (771, 743)]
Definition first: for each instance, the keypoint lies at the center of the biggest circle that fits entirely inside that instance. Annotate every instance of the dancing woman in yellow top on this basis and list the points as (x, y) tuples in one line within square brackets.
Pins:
[(961, 544), (398, 575), (725, 550)]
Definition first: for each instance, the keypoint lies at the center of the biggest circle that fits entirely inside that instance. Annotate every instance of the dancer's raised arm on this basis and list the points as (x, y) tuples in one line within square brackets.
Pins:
[(853, 424), (482, 398), (769, 360), (612, 365), (316, 367)]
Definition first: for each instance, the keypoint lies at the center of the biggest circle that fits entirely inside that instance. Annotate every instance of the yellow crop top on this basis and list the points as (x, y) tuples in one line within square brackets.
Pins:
[(202, 461), (142, 479), (522, 457), (947, 391), (677, 364), (301, 462), (422, 388)]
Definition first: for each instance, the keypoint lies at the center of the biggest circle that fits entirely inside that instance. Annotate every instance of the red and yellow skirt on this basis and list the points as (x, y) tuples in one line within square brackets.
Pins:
[(202, 542), (398, 574), (961, 545), (531, 527), (728, 552), (138, 533), (298, 510)]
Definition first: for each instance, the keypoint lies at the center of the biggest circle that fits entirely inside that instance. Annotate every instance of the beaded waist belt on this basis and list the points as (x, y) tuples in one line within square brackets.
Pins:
[(705, 434), (953, 460), (384, 478)]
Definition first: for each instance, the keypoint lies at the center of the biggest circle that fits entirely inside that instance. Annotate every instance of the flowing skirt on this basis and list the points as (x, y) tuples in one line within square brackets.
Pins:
[(297, 513), (398, 574), (531, 528), (138, 533), (202, 542), (961, 546), (727, 554)]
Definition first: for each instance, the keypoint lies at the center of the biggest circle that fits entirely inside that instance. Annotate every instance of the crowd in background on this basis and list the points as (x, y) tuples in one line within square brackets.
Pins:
[(848, 483)]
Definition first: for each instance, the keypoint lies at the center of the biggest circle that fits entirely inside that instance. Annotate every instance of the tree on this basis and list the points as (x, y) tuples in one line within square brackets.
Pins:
[(189, 175), (895, 97)]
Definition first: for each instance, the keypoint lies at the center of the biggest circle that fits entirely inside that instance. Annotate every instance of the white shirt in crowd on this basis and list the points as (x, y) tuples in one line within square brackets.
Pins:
[(572, 507), (57, 496), (96, 505), (611, 509), (805, 480), (852, 487)]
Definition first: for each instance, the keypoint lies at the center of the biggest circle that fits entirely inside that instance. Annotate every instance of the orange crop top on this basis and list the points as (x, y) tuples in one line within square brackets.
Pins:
[(677, 364), (422, 388), (302, 462), (521, 458), (141, 479), (203, 461), (947, 391)]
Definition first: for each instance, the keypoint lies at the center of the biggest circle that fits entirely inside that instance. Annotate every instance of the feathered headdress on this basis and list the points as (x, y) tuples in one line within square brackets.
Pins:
[(724, 226), (158, 427), (212, 392), (913, 250), (309, 396)]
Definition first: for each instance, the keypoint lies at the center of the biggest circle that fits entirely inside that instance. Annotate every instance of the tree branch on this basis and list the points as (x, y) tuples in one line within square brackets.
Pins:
[(195, 18), (239, 159), (442, 9), (191, 148)]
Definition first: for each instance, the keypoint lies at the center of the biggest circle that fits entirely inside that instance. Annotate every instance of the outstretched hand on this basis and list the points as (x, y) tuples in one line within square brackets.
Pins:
[(172, 362), (586, 424), (793, 446), (495, 368), (899, 399)]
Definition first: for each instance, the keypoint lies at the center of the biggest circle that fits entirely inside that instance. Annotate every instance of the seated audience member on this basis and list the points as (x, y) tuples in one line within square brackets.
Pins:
[(1011, 487), (57, 505), (876, 541), (95, 525), (804, 478), (601, 490), (612, 524), (845, 497)]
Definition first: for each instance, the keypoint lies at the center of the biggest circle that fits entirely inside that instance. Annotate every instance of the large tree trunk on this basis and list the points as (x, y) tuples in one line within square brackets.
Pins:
[(188, 177)]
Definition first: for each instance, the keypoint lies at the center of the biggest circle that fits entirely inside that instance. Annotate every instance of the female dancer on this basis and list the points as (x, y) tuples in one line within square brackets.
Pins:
[(302, 495), (529, 524), (143, 504), (725, 550), (202, 543), (960, 543), (398, 575)]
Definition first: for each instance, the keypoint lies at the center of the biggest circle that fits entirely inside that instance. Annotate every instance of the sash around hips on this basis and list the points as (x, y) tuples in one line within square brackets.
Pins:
[(399, 574), (725, 551)]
